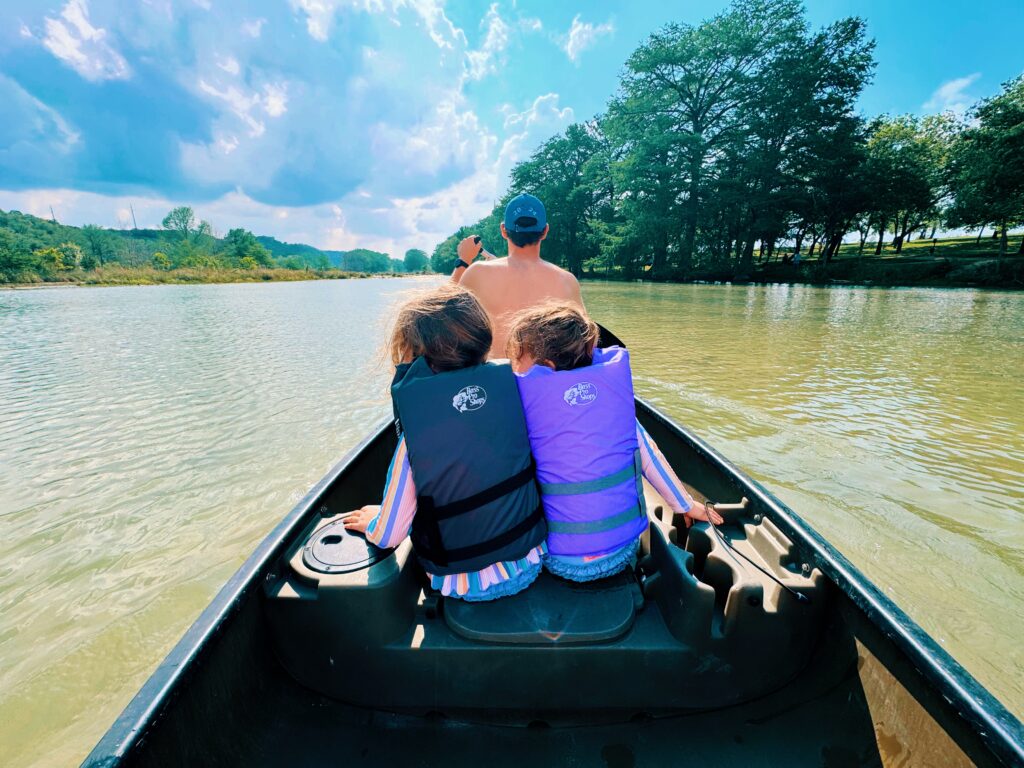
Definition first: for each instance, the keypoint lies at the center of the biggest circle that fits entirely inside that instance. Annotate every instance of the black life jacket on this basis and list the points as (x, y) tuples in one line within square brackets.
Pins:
[(477, 499)]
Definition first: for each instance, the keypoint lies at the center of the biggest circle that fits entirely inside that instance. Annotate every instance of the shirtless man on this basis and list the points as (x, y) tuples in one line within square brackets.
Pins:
[(520, 280)]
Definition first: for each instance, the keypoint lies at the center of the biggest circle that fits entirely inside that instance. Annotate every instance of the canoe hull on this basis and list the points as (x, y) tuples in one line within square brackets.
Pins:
[(874, 690)]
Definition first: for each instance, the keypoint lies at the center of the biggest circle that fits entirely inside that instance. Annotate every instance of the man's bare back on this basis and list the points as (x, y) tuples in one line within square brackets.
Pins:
[(505, 286), (520, 280)]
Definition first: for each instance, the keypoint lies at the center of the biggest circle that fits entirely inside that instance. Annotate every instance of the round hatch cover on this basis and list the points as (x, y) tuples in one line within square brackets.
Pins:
[(332, 549)]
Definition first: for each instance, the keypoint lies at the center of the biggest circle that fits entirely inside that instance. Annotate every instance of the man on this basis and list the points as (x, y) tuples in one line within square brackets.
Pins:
[(522, 279)]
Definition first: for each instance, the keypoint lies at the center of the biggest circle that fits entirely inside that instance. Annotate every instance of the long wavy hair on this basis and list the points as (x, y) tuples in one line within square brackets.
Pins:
[(447, 326)]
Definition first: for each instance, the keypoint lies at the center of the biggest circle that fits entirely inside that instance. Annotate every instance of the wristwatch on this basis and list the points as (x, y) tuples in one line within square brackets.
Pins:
[(458, 263)]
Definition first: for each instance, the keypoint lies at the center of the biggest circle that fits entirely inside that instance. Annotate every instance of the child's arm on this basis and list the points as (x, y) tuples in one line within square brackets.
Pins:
[(659, 473), (387, 524)]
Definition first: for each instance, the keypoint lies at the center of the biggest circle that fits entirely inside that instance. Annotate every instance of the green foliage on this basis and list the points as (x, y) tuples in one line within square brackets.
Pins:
[(62, 258), (364, 260), (415, 260), (240, 244), (986, 168), (181, 220), (34, 249)]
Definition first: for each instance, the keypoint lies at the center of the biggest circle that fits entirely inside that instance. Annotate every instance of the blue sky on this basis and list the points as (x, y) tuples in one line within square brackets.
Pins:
[(374, 123)]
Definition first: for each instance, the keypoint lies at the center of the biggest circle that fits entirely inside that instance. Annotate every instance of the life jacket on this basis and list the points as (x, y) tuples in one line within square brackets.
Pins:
[(476, 494), (582, 426)]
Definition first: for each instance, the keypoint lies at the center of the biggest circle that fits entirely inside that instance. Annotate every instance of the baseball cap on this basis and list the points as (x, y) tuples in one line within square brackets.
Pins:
[(525, 213)]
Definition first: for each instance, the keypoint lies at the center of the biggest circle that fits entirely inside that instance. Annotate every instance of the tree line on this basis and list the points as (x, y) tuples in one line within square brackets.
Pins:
[(34, 249), (736, 141)]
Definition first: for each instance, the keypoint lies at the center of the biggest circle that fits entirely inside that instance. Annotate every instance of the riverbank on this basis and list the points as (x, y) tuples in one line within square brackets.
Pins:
[(116, 274), (948, 263)]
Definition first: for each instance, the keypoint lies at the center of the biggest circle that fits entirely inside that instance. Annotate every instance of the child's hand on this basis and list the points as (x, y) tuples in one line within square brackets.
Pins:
[(700, 511), (360, 519)]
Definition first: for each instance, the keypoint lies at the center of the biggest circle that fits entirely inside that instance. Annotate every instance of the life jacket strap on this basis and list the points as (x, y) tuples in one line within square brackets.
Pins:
[(596, 526), (486, 496), (432, 549), (591, 486)]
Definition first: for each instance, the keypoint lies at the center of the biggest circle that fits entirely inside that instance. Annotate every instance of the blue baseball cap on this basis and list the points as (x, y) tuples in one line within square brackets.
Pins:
[(525, 213)]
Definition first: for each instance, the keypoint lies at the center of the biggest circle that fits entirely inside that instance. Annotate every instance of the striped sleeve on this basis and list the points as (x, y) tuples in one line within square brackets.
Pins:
[(659, 473), (398, 508)]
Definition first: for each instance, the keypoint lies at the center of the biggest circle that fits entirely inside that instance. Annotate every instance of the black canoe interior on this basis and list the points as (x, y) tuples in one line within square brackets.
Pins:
[(391, 672)]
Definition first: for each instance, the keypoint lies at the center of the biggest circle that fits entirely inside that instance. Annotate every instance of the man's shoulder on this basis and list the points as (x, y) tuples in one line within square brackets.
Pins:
[(564, 276)]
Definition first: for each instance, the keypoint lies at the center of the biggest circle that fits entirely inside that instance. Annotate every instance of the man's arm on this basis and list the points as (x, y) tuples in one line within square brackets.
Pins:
[(468, 249)]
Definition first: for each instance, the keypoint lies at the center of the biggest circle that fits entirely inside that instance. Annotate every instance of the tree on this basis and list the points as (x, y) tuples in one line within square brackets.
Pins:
[(242, 244), (415, 260), (15, 258), (364, 260), (161, 260), (987, 164), (684, 95), (98, 248), (181, 220), (905, 159), (62, 258)]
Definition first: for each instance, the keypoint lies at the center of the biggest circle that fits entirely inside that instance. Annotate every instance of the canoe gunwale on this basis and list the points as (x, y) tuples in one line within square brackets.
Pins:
[(1000, 731)]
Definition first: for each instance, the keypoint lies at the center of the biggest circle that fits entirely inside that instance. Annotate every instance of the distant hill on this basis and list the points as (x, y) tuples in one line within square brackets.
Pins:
[(32, 248), (283, 250)]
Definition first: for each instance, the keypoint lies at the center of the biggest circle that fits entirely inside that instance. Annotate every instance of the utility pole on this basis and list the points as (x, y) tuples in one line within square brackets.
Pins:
[(132, 209), (52, 217)]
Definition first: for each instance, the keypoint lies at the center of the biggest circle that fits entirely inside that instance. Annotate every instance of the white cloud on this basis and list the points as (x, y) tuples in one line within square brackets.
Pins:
[(583, 35), (275, 99), (952, 95), (253, 27), (247, 106), (229, 64), (531, 24), (320, 16), (75, 41), (481, 62)]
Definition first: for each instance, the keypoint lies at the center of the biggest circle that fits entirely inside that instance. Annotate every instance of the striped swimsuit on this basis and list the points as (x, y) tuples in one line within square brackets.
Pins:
[(398, 508), (393, 522)]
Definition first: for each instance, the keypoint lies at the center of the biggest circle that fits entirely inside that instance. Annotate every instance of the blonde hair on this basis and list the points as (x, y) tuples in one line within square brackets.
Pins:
[(447, 326), (557, 332)]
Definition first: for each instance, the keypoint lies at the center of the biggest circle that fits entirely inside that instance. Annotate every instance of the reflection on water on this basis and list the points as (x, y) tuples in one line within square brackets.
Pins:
[(149, 437)]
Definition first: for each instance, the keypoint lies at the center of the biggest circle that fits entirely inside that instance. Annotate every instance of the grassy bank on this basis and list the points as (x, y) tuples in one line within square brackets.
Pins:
[(951, 262), (116, 274)]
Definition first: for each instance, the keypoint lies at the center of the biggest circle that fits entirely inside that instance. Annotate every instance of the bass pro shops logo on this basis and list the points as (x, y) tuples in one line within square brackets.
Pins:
[(471, 398), (583, 393)]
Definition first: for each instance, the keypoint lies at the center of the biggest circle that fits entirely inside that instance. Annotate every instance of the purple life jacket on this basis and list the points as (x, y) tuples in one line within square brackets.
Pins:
[(582, 427)]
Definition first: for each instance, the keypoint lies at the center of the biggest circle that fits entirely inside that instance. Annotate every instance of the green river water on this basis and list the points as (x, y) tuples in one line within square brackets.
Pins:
[(150, 437)]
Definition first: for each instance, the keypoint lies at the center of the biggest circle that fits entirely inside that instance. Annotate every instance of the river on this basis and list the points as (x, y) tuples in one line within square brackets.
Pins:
[(151, 436)]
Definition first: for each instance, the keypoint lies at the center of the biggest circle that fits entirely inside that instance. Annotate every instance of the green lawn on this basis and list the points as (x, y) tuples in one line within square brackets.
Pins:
[(947, 247)]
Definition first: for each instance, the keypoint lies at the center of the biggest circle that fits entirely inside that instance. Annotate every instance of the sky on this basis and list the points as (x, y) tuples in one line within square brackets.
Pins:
[(381, 124)]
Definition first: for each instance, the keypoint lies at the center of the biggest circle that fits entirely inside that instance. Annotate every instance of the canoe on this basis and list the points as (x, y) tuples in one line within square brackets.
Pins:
[(756, 644)]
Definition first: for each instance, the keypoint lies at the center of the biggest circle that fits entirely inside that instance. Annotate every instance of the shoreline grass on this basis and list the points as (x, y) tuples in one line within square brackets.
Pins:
[(117, 274)]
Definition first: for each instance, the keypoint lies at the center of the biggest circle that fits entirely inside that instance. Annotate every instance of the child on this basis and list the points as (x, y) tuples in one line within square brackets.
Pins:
[(589, 448), (461, 479)]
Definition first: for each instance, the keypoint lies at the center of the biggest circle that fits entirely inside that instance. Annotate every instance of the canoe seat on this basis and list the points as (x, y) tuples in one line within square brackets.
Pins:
[(552, 611)]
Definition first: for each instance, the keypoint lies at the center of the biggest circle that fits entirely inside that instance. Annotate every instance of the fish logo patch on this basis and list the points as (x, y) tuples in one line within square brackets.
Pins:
[(583, 393), (471, 398)]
